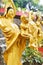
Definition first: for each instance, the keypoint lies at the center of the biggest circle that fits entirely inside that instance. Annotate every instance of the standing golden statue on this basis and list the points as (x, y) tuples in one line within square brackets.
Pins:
[(28, 28), (31, 29), (39, 27), (14, 41)]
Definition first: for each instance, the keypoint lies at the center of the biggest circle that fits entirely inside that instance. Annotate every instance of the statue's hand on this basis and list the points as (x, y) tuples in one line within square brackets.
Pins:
[(26, 35)]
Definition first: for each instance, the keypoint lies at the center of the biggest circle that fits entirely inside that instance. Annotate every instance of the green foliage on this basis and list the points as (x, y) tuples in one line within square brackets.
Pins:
[(22, 3), (36, 1), (40, 8), (31, 55)]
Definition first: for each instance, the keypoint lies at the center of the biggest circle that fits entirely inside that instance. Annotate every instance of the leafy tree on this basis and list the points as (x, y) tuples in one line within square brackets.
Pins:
[(22, 3), (36, 1)]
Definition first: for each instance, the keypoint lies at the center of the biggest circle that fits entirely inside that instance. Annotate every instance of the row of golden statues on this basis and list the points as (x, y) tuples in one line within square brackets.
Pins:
[(16, 37)]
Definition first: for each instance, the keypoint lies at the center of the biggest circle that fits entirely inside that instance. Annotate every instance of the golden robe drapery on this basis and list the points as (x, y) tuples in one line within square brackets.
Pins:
[(14, 41)]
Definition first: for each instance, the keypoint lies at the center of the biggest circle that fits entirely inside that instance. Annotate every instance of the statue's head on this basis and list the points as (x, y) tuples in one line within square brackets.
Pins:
[(34, 16), (10, 12), (24, 19)]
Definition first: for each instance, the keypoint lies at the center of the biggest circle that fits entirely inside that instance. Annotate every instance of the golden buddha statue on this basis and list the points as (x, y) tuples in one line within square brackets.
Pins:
[(15, 37), (14, 41), (27, 27), (38, 33)]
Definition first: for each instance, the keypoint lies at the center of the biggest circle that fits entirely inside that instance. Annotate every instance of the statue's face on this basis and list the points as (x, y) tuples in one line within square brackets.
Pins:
[(10, 13), (24, 19)]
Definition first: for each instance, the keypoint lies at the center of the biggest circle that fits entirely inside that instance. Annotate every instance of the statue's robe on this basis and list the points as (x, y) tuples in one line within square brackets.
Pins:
[(14, 41)]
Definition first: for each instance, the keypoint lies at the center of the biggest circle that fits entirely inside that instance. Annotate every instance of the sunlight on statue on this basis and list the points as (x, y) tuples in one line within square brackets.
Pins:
[(14, 41), (31, 28), (16, 37)]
